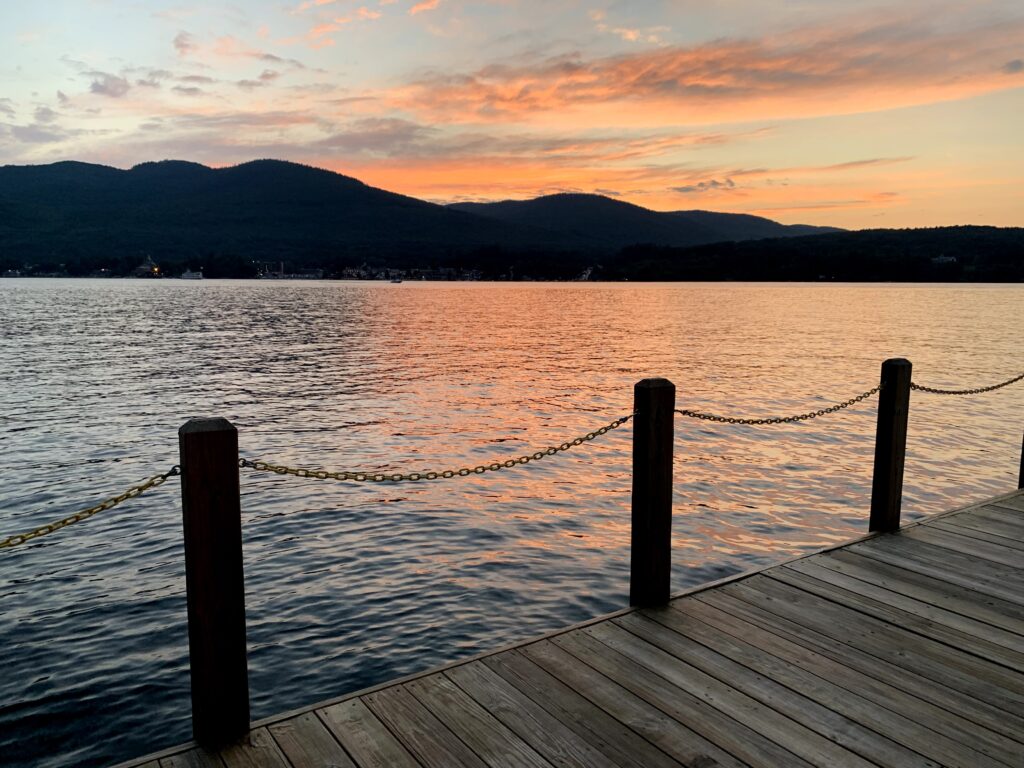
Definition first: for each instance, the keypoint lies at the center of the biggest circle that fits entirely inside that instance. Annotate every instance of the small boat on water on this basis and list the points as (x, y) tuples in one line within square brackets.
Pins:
[(396, 279), (188, 274)]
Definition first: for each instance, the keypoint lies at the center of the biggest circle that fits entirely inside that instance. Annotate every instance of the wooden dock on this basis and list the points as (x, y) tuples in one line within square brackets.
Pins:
[(897, 649)]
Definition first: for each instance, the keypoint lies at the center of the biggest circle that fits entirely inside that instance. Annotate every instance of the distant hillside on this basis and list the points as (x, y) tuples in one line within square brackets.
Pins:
[(940, 254), (80, 217), (76, 218), (73, 212), (604, 222)]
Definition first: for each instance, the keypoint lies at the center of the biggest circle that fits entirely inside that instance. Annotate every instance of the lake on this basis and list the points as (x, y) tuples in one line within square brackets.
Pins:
[(349, 585)]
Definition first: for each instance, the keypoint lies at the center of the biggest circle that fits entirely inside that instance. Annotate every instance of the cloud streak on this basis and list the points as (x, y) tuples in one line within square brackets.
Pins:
[(817, 71)]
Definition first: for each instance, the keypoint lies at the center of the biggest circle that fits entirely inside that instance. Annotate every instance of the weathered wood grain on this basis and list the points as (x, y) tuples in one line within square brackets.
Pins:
[(791, 692), (730, 735), (307, 743), (364, 737), (634, 711), (969, 707), (931, 730), (611, 736), (193, 758), (902, 650), (494, 742), (257, 750), (421, 733)]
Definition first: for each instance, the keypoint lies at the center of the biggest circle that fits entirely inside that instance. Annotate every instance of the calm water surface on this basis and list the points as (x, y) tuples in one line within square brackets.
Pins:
[(351, 585)]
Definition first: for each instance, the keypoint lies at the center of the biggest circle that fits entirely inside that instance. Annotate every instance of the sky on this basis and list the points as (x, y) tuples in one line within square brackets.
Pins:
[(860, 115)]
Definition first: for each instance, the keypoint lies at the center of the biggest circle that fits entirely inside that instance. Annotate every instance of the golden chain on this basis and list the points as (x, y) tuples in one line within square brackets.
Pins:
[(977, 391), (782, 419), (85, 514), (397, 477)]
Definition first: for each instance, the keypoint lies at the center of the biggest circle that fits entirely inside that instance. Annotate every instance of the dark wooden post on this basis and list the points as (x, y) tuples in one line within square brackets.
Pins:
[(213, 576), (654, 401), (1020, 481), (890, 445)]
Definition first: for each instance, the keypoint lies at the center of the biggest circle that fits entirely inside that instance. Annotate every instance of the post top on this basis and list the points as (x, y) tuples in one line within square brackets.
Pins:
[(194, 426), (898, 361), (654, 383)]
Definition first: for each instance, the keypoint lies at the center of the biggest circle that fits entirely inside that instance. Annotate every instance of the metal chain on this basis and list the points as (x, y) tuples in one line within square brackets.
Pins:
[(85, 514), (398, 477), (782, 419), (977, 391)]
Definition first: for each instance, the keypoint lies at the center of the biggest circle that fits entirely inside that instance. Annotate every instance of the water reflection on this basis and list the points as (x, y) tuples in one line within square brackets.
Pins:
[(348, 585)]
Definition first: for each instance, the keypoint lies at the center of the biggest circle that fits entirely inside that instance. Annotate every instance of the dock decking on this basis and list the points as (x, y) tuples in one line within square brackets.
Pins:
[(902, 649)]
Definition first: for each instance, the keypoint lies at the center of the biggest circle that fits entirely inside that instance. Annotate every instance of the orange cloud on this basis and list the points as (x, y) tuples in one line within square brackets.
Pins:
[(424, 5), (811, 72)]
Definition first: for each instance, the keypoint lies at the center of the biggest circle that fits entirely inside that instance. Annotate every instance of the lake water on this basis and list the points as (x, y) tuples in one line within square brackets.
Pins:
[(349, 585)]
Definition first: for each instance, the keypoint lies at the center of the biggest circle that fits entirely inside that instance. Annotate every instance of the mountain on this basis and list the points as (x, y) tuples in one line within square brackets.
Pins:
[(80, 217), (603, 222), (264, 209), (77, 218)]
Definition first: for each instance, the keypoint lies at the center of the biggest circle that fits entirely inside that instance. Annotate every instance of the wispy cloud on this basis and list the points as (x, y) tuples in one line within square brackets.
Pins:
[(424, 5), (824, 70), (705, 186)]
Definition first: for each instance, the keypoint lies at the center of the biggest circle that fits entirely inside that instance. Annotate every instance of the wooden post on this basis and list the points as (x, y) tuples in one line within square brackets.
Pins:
[(890, 445), (212, 520), (1020, 481), (654, 401)]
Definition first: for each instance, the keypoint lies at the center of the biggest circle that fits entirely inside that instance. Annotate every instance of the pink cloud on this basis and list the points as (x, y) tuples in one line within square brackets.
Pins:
[(424, 5), (819, 71)]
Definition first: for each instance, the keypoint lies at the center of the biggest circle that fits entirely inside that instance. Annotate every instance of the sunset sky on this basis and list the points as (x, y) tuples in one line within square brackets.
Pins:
[(821, 111)]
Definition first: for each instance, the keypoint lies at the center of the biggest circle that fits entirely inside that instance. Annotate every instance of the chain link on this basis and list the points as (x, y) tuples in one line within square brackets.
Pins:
[(398, 477), (85, 514), (782, 419), (977, 391)]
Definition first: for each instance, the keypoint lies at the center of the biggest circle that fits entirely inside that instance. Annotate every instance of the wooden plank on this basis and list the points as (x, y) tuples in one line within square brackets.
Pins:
[(789, 692), (888, 611), (1015, 503), (1001, 512), (610, 736), (194, 758), (964, 562), (364, 737), (965, 544), (257, 750), (944, 594), (556, 742), (955, 525), (662, 730), (493, 742), (952, 668), (979, 519), (978, 711), (931, 726), (978, 631), (913, 556), (307, 743), (730, 699), (732, 736), (421, 733)]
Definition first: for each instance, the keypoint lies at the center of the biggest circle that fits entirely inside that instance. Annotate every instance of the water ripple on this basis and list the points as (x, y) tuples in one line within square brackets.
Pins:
[(351, 585)]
